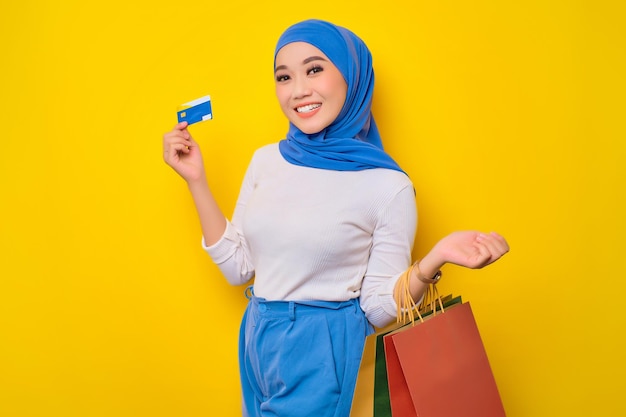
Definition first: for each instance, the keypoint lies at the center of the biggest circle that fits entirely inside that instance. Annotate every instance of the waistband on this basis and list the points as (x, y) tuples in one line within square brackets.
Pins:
[(291, 308)]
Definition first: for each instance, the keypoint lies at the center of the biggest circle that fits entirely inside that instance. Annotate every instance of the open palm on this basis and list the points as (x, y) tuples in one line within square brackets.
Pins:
[(472, 249)]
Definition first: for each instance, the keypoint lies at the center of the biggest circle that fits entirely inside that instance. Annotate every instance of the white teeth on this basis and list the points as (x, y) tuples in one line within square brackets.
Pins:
[(307, 108)]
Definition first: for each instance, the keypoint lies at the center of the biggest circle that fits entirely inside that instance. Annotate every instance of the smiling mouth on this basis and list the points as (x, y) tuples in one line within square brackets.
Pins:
[(308, 108)]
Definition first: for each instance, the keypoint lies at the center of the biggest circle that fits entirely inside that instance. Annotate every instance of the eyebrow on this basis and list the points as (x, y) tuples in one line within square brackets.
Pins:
[(306, 61)]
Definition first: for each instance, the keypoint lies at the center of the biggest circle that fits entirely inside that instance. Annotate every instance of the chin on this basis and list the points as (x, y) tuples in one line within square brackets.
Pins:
[(309, 128), (311, 131)]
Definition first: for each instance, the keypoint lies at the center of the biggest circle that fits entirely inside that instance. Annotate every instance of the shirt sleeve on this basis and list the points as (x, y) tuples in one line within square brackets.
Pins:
[(390, 256)]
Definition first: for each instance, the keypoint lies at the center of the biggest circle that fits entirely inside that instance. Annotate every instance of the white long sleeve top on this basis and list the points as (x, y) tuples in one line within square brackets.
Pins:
[(312, 234)]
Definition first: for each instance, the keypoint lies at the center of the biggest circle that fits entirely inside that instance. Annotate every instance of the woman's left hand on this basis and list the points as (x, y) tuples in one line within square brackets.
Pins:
[(471, 249)]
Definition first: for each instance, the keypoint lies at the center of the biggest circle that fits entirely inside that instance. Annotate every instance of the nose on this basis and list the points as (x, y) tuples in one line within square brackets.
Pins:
[(301, 88)]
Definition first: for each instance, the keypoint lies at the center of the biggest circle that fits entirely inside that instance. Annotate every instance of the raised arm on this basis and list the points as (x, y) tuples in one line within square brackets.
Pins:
[(182, 153)]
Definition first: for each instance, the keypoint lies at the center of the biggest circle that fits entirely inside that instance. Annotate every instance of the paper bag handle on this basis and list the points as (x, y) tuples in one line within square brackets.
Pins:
[(406, 306)]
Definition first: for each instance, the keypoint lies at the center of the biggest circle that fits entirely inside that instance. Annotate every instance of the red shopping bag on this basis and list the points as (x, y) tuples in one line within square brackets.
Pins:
[(439, 368)]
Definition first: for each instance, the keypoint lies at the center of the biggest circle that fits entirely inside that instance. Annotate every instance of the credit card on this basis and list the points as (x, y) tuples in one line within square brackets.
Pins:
[(196, 111)]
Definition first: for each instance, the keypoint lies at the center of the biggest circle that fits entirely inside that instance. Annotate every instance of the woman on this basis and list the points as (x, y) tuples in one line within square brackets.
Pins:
[(325, 223)]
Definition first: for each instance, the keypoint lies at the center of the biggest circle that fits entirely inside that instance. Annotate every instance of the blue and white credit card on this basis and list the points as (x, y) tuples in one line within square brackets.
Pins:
[(196, 111)]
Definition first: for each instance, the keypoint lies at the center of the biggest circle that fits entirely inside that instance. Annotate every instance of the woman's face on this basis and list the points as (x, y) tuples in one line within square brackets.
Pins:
[(310, 89)]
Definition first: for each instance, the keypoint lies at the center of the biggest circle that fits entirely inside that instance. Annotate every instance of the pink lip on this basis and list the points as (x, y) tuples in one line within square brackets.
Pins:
[(308, 114)]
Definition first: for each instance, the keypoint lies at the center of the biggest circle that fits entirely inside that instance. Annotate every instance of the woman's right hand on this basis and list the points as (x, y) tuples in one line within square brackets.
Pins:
[(182, 153)]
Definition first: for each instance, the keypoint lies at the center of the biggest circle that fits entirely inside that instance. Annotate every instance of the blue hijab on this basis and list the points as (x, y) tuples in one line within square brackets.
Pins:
[(352, 141)]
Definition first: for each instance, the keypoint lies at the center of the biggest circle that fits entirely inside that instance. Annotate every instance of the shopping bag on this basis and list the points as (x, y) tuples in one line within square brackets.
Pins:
[(438, 367), (367, 393), (371, 394)]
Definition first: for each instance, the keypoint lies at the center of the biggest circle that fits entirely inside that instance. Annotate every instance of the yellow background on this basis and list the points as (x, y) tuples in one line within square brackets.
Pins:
[(508, 116)]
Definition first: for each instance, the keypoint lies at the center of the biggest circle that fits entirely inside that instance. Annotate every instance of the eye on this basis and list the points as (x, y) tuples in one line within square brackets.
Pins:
[(315, 70), (281, 78)]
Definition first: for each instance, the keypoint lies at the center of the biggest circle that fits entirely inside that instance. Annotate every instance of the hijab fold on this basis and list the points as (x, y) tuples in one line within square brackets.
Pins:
[(352, 141)]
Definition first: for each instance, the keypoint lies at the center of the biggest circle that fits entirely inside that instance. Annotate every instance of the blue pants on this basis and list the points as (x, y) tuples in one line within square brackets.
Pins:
[(302, 358)]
